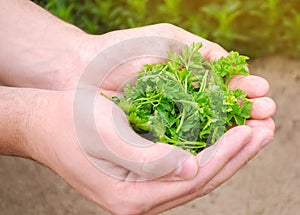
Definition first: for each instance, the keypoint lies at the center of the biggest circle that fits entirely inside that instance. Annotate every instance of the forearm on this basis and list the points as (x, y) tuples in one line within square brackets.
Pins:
[(35, 41)]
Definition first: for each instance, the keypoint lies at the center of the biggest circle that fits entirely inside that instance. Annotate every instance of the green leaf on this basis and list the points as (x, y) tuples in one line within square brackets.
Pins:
[(186, 101)]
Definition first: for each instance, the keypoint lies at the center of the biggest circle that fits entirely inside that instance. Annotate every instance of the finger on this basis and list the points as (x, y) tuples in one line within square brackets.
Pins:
[(262, 108), (212, 51), (214, 158), (261, 136), (122, 146), (186, 170), (254, 86), (212, 161), (268, 123)]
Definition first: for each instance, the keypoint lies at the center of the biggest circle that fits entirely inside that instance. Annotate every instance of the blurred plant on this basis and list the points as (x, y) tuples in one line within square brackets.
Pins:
[(269, 27), (222, 20), (62, 8), (292, 33), (253, 28), (132, 14), (172, 10)]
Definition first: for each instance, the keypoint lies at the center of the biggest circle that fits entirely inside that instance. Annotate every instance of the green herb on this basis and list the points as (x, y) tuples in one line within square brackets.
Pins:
[(186, 101)]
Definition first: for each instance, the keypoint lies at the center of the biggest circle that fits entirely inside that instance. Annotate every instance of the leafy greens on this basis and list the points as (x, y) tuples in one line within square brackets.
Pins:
[(186, 101)]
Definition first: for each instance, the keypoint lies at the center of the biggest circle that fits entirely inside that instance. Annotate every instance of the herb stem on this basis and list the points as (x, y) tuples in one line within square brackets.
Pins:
[(106, 96), (181, 121), (204, 81)]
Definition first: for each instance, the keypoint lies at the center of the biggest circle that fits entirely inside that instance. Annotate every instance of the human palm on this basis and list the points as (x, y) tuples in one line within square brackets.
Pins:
[(116, 168)]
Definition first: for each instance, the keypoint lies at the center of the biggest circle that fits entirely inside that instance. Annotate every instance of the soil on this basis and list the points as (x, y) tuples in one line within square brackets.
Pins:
[(268, 184)]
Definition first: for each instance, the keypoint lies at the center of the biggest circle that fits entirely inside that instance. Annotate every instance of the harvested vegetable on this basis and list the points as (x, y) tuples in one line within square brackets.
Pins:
[(186, 101)]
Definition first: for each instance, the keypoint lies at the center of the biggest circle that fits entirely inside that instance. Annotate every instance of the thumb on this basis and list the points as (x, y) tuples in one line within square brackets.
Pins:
[(118, 151)]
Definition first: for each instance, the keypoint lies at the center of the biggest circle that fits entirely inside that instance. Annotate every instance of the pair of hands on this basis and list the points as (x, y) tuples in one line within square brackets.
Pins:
[(52, 140), (47, 133)]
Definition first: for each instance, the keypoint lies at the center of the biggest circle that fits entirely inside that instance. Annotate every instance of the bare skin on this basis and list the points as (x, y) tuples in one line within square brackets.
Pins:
[(42, 58)]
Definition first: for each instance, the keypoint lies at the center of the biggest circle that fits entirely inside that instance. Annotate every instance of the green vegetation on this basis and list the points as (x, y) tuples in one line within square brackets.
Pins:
[(254, 28), (186, 101)]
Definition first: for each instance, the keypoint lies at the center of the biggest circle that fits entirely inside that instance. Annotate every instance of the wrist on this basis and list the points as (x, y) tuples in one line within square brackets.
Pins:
[(25, 122), (14, 115), (47, 126)]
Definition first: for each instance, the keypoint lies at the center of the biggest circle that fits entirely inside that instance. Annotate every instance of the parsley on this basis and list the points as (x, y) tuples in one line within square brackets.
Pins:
[(186, 101)]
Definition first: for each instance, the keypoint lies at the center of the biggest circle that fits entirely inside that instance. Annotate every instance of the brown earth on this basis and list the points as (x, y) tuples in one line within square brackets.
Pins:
[(268, 185)]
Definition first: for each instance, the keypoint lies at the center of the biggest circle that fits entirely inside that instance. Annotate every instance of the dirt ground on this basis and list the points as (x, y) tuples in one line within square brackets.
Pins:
[(268, 185)]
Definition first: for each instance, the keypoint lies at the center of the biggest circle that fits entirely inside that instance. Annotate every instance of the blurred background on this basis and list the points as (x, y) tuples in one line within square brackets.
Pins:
[(267, 31), (254, 28)]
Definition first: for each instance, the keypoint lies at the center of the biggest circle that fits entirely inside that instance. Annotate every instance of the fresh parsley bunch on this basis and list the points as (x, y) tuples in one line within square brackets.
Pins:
[(186, 101)]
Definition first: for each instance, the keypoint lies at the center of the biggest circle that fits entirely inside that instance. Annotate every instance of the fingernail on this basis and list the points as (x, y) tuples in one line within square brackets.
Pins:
[(265, 142), (187, 170)]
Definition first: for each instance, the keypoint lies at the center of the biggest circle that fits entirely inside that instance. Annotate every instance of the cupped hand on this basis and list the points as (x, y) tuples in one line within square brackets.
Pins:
[(84, 138), (233, 150), (104, 174), (122, 187), (133, 176)]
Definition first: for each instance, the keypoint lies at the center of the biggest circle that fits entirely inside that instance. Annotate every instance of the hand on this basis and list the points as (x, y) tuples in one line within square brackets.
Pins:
[(55, 144), (215, 164), (49, 136), (57, 62)]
